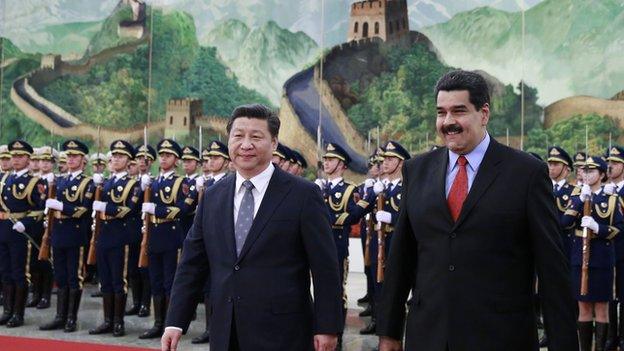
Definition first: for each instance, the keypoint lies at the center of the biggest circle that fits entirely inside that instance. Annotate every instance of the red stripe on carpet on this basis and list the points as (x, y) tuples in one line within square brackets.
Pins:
[(10, 343)]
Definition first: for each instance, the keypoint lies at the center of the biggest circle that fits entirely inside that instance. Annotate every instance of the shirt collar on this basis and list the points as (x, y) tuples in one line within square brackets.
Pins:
[(560, 183), (217, 177), (73, 175), (21, 173), (191, 176), (335, 181), (396, 181), (166, 175), (620, 185), (260, 182), (474, 157), (120, 175)]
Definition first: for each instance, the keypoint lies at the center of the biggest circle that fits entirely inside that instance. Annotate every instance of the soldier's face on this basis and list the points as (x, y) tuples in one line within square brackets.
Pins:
[(556, 170), (144, 163), (190, 166), (592, 177), (251, 145), (373, 171), (133, 169), (391, 164), (285, 165), (63, 167), (216, 164), (294, 168), (459, 123), (46, 166), (119, 162), (277, 160), (5, 164), (331, 165), (20, 162), (616, 170), (34, 165), (74, 162), (167, 161)]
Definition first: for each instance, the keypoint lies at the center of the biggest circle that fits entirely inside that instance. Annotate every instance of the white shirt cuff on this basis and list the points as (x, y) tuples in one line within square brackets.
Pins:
[(174, 328)]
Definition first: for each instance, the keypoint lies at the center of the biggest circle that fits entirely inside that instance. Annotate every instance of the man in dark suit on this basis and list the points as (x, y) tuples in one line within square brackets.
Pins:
[(477, 221), (258, 239)]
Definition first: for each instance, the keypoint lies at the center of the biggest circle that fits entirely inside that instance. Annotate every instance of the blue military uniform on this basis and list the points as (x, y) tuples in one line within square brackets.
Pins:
[(138, 277), (562, 192), (121, 193), (22, 200), (189, 188), (166, 236), (607, 212)]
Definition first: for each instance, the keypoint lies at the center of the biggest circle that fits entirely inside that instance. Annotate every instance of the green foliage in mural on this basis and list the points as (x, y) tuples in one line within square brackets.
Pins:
[(570, 134), (402, 102)]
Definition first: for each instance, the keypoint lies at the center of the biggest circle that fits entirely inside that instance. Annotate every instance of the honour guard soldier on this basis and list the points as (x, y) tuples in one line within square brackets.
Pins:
[(604, 223), (165, 240), (70, 232), (120, 199), (41, 275), (216, 162), (616, 186), (559, 166), (62, 164), (281, 156), (579, 164), (99, 162), (299, 165), (21, 211), (139, 276), (190, 163), (133, 169), (5, 159), (393, 157), (34, 162)]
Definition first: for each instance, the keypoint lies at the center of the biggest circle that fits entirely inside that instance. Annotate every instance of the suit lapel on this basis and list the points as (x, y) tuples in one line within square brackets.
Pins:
[(439, 181), (275, 193), (486, 174), (227, 213)]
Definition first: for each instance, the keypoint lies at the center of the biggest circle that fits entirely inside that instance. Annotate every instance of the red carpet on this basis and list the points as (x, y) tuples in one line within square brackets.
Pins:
[(10, 343)]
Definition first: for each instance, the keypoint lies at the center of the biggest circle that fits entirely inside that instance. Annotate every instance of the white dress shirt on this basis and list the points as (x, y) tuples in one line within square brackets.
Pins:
[(73, 175), (260, 183)]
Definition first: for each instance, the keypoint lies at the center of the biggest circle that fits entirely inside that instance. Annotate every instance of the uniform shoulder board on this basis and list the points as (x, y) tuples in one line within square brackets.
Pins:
[(576, 191)]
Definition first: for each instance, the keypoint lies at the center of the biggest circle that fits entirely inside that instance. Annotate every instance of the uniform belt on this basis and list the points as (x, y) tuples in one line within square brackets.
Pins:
[(161, 220), (579, 233), (337, 227), (13, 215), (59, 215)]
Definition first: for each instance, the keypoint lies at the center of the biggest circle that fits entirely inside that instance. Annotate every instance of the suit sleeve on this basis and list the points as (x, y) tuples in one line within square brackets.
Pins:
[(399, 273), (190, 275), (559, 307), (322, 256)]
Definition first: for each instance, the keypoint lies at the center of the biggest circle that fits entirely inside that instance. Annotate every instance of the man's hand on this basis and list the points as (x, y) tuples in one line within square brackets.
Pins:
[(325, 342), (170, 339), (388, 344)]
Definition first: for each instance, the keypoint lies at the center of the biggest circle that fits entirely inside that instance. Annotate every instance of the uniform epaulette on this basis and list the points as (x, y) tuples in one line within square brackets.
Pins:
[(576, 191)]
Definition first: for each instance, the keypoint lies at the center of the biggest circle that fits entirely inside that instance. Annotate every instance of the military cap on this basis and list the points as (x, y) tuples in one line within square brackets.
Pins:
[(4, 151), (36, 154), (280, 151), (558, 154), (299, 159), (596, 162), (48, 153), (169, 146), (20, 147), (291, 155), (122, 147), (616, 154), (62, 157), (218, 148), (75, 147), (333, 150), (394, 149), (579, 159), (98, 159), (190, 153), (146, 151)]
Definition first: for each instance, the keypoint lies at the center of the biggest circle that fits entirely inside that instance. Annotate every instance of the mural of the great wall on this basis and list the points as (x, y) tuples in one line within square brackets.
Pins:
[(85, 68)]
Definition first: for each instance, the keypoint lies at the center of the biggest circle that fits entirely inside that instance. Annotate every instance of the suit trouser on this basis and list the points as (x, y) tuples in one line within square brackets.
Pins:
[(233, 337), (112, 267), (162, 267), (14, 259), (68, 266)]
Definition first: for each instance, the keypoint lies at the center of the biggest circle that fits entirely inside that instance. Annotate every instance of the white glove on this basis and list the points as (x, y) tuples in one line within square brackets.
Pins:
[(590, 223), (149, 207), (609, 188), (199, 182), (98, 178), (383, 217), (378, 187), (19, 227), (585, 193), (99, 206), (49, 178), (54, 204), (146, 181), (320, 183), (368, 183)]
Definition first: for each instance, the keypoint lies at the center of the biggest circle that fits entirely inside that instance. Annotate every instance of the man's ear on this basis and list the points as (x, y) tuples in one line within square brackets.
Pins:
[(485, 114)]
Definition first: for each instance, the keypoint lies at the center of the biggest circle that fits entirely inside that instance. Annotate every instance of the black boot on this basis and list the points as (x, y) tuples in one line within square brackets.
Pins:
[(73, 307), (61, 312), (135, 287), (586, 335), (8, 291), (612, 334), (601, 336), (33, 299), (205, 337), (47, 282), (146, 298), (17, 320), (109, 310), (363, 300), (120, 312), (159, 319), (368, 311)]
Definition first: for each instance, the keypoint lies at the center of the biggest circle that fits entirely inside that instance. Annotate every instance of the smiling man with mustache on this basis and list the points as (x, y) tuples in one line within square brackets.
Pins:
[(477, 220)]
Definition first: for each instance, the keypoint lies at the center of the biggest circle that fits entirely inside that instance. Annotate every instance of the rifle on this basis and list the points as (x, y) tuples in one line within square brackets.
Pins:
[(381, 242), (44, 251), (370, 226), (97, 224), (587, 233), (143, 259)]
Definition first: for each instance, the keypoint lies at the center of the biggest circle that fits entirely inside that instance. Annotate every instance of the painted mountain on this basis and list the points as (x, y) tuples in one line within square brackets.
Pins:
[(572, 47)]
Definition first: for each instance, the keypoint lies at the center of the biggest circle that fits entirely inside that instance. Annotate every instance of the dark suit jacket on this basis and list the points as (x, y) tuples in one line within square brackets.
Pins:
[(265, 292), (472, 281)]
